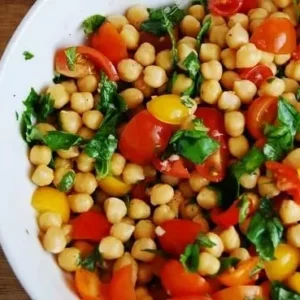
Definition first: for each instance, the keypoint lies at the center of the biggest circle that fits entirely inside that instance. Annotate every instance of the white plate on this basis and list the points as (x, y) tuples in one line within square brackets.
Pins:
[(50, 24)]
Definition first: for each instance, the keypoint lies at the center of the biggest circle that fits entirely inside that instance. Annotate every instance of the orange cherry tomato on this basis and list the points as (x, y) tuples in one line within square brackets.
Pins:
[(248, 5), (177, 281), (174, 168), (241, 275), (109, 41), (239, 293), (178, 233), (262, 111), (144, 137), (225, 7), (275, 35), (256, 74)]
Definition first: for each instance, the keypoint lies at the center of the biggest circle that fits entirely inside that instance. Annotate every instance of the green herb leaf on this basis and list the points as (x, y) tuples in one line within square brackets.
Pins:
[(203, 241), (227, 263), (260, 266), (190, 258), (91, 24), (280, 71), (265, 230), (192, 64), (203, 31), (58, 78), (281, 292), (67, 182), (270, 80), (243, 206), (298, 94), (71, 57), (90, 262), (187, 101), (28, 55), (17, 115), (158, 252)]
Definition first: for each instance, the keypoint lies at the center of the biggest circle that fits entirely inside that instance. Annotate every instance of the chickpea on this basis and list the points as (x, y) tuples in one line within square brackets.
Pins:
[(118, 21), (282, 3), (185, 189), (281, 59), (291, 98), (115, 209), (49, 219), (88, 84), (164, 60), (176, 201), (92, 119), (67, 231), (168, 179), (190, 41), (266, 57), (85, 163), (255, 24), (133, 97), (210, 91), (122, 231), (133, 173), (258, 14), (218, 248), (137, 14), (231, 239), (268, 5), (126, 260), (184, 51), (248, 56), (117, 164), (291, 12), (144, 229), (189, 210), (155, 76), (272, 86), (240, 253), (215, 20), (292, 70), (138, 249), (149, 171), (161, 194), (245, 90), (229, 78), (138, 209), (44, 128), (82, 102), (111, 248), (70, 153), (249, 181), (40, 155), (54, 240), (190, 26), (85, 183), (141, 85), (86, 133), (208, 264), (207, 198), (80, 203), (130, 36), (237, 36), (181, 84), (129, 70), (60, 96), (128, 221), (70, 86), (69, 259), (62, 162), (209, 52), (293, 159), (228, 57), (238, 18), (197, 182), (145, 54), (70, 121), (42, 175), (293, 235), (238, 146), (291, 85), (59, 173), (266, 187), (229, 101), (289, 212), (212, 70), (234, 123), (163, 213), (272, 67), (217, 35), (197, 11), (279, 14)]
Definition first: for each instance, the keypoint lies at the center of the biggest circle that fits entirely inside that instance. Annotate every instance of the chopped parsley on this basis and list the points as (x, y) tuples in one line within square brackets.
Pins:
[(28, 55), (67, 181), (71, 57), (91, 24)]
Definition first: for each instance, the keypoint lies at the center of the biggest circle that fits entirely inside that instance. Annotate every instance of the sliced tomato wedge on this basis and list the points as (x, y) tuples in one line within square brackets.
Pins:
[(275, 35), (296, 53), (214, 168), (225, 7), (175, 168), (248, 5), (239, 293), (256, 74), (108, 40), (192, 297), (86, 60), (262, 111)]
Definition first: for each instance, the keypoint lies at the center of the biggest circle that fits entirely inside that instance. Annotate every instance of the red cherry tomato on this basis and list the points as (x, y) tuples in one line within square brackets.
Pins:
[(174, 168), (139, 191), (256, 74), (180, 282), (262, 111), (144, 137), (159, 42), (248, 5), (108, 40), (214, 168), (194, 297), (225, 7), (178, 233), (296, 53), (275, 35)]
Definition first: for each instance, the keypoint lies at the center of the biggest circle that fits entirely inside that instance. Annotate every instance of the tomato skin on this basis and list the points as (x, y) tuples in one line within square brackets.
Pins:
[(178, 234), (139, 191), (225, 8), (248, 5), (262, 111), (239, 293), (296, 53), (194, 297), (256, 74), (144, 137), (179, 282), (108, 40), (214, 168), (286, 261), (159, 42), (172, 168), (275, 35), (228, 218)]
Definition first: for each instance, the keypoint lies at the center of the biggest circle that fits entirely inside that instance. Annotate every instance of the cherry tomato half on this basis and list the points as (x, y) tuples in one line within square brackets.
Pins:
[(248, 5), (175, 168), (275, 35), (144, 137), (262, 111), (296, 53), (225, 7), (256, 74)]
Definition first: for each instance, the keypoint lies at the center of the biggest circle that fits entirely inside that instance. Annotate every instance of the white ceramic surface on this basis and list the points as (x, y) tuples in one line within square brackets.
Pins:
[(49, 25)]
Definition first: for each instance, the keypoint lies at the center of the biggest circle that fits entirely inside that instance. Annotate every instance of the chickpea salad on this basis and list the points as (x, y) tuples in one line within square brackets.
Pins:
[(166, 153)]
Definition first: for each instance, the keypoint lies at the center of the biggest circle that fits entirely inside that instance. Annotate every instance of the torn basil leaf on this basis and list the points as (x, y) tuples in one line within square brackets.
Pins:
[(91, 24), (227, 263), (71, 57), (28, 55), (243, 206), (67, 182), (203, 31), (92, 261), (192, 64), (190, 257), (281, 292)]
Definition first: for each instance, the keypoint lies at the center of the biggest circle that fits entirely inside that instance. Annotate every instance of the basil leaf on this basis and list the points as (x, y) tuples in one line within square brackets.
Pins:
[(170, 28), (203, 241), (190, 258), (90, 262), (60, 140), (243, 206), (44, 108), (58, 78), (249, 163), (91, 24), (187, 101), (227, 263), (67, 182), (298, 94), (281, 292), (71, 57), (27, 55), (265, 230), (192, 64), (203, 31), (158, 252)]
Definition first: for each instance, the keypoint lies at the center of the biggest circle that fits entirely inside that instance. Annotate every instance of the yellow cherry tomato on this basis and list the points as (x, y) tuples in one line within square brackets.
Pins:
[(114, 186), (286, 261), (293, 282), (50, 199), (168, 109)]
